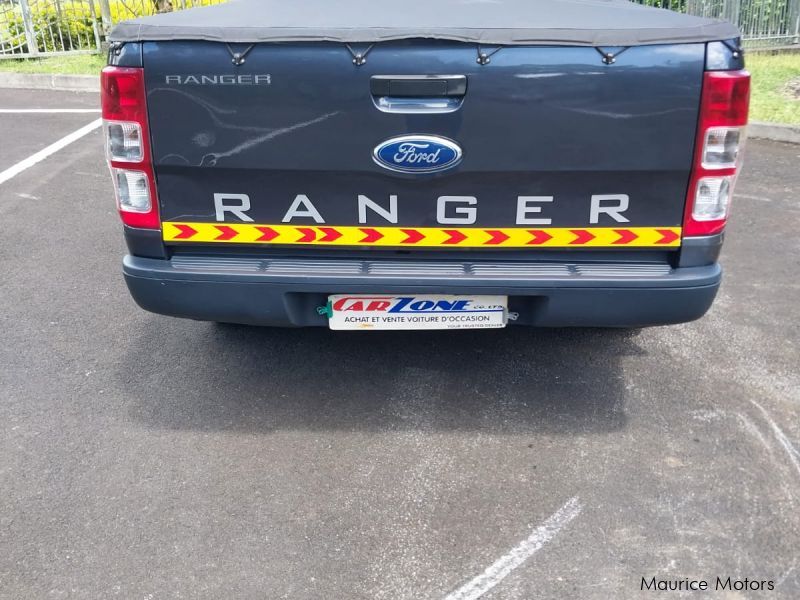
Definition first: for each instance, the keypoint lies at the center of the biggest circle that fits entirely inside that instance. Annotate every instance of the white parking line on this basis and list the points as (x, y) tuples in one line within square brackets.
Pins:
[(55, 111), (51, 149), (500, 569)]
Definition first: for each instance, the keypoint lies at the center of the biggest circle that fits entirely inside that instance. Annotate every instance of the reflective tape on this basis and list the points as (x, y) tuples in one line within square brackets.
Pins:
[(452, 237)]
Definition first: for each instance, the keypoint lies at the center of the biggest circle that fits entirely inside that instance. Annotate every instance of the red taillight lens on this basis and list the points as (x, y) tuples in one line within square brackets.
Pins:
[(720, 139), (127, 139), (123, 96), (726, 97)]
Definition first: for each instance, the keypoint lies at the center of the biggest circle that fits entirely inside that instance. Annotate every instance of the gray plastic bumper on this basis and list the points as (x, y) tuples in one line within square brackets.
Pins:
[(287, 292)]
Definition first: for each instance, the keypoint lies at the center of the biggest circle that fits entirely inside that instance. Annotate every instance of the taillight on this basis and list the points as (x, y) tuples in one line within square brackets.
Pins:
[(718, 152), (127, 143)]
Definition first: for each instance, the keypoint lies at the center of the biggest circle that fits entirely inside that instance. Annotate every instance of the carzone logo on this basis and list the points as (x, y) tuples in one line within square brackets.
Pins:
[(402, 304)]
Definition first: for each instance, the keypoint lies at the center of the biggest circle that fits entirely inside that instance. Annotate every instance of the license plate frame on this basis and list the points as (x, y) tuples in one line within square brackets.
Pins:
[(416, 312)]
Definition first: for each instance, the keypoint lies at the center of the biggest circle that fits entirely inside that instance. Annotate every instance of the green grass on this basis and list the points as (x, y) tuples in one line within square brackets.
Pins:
[(79, 64), (770, 99)]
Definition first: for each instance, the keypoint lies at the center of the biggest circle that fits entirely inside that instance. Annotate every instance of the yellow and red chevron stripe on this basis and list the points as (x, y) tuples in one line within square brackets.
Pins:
[(453, 237)]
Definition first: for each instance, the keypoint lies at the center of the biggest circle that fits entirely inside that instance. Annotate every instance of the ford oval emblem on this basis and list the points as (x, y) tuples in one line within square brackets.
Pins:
[(417, 154)]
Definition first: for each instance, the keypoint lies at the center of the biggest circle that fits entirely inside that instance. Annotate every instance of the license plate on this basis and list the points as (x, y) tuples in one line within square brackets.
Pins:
[(361, 311)]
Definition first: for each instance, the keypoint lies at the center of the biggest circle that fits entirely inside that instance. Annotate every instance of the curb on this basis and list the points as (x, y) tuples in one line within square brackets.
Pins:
[(774, 132), (37, 81)]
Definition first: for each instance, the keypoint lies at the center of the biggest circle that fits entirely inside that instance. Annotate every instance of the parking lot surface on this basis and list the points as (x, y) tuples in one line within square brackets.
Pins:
[(148, 457)]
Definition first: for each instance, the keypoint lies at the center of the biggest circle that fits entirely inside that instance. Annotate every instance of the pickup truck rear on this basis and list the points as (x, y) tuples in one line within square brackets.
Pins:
[(366, 166)]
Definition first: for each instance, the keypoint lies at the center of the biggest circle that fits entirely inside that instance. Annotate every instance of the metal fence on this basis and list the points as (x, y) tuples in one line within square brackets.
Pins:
[(36, 27), (763, 23)]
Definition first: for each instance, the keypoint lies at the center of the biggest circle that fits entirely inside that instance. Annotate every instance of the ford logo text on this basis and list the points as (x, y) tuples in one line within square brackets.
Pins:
[(417, 154)]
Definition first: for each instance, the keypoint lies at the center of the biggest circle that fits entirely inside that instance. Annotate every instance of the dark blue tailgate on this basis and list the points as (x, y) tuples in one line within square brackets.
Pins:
[(534, 121)]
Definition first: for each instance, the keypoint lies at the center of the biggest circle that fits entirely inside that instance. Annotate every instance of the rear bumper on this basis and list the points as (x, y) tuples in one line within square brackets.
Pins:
[(287, 292)]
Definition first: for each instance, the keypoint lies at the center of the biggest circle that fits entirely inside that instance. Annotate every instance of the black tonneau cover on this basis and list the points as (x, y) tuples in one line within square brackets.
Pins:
[(499, 22)]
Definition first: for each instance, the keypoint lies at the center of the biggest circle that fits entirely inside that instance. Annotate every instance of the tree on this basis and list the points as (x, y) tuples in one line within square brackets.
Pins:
[(161, 6)]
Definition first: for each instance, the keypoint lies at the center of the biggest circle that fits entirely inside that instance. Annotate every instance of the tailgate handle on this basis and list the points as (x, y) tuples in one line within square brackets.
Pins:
[(418, 93), (418, 86)]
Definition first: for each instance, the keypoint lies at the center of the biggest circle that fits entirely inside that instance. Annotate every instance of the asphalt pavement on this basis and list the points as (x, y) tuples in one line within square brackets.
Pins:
[(148, 457)]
